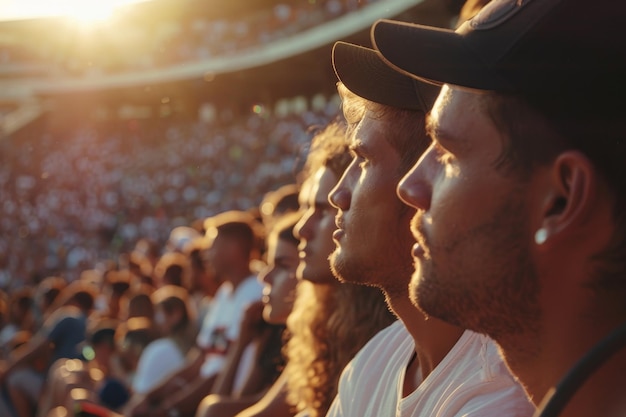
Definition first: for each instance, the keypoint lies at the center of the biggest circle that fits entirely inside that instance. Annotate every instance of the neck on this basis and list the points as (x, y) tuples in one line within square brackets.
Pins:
[(540, 361), (433, 339), (236, 277)]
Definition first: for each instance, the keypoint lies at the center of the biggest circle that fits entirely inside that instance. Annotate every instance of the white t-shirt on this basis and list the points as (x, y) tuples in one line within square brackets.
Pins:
[(158, 360), (471, 381), (221, 326)]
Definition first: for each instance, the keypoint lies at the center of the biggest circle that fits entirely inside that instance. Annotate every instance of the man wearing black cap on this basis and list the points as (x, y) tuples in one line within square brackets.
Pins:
[(417, 366), (521, 197)]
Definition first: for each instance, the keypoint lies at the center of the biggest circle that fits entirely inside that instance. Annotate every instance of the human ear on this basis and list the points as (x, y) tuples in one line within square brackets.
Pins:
[(569, 200)]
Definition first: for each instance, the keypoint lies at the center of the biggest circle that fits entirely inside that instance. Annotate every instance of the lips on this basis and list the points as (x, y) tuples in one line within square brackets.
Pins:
[(418, 251), (339, 222), (339, 232), (419, 233)]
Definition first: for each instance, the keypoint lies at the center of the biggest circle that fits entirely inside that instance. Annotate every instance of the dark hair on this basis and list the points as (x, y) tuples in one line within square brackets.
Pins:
[(23, 299), (140, 303), (174, 268), (239, 225), (84, 299), (278, 202), (172, 298), (79, 293), (535, 139), (49, 289), (284, 228)]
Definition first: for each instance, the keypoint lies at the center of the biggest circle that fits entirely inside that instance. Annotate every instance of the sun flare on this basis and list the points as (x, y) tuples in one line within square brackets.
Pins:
[(86, 11)]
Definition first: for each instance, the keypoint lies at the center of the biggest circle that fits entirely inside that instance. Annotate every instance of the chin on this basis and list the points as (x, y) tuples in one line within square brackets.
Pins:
[(316, 276), (414, 290), (346, 269)]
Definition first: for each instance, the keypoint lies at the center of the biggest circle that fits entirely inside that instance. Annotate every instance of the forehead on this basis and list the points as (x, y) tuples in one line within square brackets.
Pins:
[(283, 248), (304, 196), (459, 118)]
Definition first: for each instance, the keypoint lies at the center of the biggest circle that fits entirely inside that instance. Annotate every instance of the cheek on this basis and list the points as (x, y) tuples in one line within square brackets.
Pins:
[(325, 231), (284, 284)]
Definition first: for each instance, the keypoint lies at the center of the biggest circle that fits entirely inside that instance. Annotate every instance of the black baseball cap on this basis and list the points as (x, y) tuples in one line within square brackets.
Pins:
[(552, 52), (363, 72)]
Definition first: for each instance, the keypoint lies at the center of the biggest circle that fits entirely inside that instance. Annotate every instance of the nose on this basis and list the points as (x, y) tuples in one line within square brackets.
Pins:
[(339, 196), (265, 276), (415, 189), (303, 229)]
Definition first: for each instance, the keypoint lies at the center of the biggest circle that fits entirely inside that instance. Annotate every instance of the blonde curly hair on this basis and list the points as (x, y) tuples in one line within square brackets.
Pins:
[(329, 324)]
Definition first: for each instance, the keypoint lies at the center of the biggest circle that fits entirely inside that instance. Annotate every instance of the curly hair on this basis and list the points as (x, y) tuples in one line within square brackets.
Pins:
[(329, 148), (329, 322), (328, 325)]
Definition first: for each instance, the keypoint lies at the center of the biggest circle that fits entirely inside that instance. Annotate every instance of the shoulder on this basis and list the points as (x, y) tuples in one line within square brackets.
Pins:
[(387, 351), (250, 286), (485, 385)]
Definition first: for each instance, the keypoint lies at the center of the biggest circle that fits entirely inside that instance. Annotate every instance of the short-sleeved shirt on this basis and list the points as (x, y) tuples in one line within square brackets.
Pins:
[(66, 328), (471, 381), (221, 326), (158, 360)]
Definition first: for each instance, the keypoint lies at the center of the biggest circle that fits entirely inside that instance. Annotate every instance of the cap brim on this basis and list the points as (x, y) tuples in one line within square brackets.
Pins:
[(363, 72), (434, 55)]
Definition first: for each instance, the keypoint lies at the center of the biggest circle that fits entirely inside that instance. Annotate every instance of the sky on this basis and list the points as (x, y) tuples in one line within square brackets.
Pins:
[(80, 9)]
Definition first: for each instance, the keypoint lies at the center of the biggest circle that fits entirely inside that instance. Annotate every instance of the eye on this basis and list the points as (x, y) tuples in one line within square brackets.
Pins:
[(358, 159), (448, 161), (363, 162), (444, 157)]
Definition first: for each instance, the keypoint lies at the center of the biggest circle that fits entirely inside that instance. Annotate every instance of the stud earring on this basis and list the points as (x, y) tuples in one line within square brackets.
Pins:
[(541, 236)]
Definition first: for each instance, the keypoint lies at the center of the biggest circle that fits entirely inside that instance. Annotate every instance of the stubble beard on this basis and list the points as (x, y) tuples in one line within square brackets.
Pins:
[(392, 277), (487, 282)]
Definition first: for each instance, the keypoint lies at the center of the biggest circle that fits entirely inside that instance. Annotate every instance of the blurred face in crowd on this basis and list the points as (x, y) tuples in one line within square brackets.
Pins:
[(372, 239), (167, 320), (223, 253), (316, 227), (279, 277), (472, 230)]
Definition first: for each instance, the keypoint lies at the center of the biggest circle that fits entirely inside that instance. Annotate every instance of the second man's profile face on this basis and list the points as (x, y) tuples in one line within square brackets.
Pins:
[(372, 239), (472, 233)]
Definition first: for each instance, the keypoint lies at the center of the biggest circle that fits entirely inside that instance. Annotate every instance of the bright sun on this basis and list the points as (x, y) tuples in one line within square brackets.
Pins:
[(86, 11), (90, 11)]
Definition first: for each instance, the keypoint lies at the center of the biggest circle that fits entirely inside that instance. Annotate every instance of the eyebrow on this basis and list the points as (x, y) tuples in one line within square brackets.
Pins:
[(357, 146), (437, 134), (432, 127)]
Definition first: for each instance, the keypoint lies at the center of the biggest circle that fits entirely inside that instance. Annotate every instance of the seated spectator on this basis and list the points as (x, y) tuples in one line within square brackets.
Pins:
[(45, 295), (98, 371), (234, 240), (59, 338), (263, 323), (131, 338), (204, 282), (20, 315), (166, 355), (115, 285)]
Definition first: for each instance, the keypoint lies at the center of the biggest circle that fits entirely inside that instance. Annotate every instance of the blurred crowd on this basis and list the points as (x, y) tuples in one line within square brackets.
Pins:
[(72, 199)]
